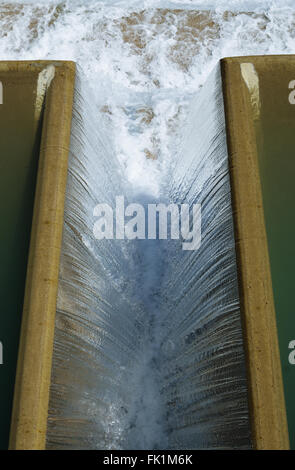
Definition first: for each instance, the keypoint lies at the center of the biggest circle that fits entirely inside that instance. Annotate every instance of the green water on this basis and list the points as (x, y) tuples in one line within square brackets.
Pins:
[(276, 153), (19, 150)]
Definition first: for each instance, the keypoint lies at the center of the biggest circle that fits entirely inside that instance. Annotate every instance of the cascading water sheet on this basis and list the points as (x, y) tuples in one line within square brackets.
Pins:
[(205, 383), (99, 318), (148, 344)]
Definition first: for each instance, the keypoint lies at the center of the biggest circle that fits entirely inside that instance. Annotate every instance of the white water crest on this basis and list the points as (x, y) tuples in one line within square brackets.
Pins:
[(144, 60), (148, 346)]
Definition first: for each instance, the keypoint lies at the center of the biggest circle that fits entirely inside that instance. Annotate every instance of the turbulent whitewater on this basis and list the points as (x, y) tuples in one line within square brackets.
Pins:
[(148, 347)]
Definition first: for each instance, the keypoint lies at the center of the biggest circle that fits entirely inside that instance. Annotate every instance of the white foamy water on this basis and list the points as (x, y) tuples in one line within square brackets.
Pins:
[(145, 62), (145, 59)]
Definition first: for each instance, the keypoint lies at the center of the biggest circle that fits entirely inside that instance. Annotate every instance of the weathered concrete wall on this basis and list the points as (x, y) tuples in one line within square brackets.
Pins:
[(257, 108), (37, 99)]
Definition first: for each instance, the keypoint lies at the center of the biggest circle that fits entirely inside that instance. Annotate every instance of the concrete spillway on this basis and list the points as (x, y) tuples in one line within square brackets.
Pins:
[(153, 346)]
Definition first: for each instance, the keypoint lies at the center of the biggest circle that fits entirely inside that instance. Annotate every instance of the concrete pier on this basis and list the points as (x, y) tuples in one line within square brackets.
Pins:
[(35, 121)]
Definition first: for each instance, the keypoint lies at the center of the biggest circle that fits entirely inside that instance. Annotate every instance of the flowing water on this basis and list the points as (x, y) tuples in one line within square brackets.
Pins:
[(148, 347)]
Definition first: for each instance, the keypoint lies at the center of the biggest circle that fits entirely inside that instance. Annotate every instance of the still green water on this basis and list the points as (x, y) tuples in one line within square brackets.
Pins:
[(276, 154), (19, 151)]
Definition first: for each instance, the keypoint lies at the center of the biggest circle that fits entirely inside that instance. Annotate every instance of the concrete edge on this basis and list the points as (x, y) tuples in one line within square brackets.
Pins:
[(31, 393), (35, 65), (266, 393)]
